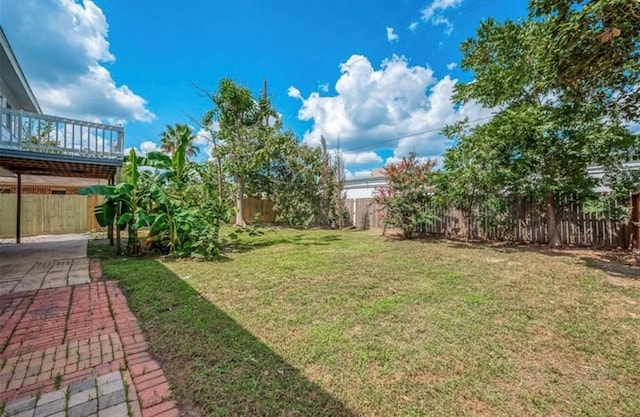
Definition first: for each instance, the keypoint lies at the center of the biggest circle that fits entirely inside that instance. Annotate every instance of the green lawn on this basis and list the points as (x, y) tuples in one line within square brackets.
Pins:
[(348, 323)]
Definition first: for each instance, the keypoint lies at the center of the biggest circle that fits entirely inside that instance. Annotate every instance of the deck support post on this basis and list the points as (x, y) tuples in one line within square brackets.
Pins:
[(19, 208), (110, 227)]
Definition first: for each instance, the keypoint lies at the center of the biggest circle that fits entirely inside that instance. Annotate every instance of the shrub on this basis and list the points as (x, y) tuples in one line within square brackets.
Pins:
[(406, 195)]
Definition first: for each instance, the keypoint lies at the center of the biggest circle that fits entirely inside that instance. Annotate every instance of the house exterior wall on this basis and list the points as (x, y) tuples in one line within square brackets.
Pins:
[(363, 187), (7, 99), (47, 185), (363, 192), (13, 84), (39, 189)]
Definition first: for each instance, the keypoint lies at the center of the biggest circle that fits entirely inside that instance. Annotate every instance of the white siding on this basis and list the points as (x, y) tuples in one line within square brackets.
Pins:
[(367, 191)]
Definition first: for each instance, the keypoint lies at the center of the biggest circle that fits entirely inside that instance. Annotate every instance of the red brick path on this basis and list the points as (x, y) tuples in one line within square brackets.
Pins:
[(54, 337)]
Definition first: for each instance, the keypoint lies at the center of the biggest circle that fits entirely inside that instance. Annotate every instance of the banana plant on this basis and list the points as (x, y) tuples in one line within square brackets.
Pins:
[(162, 199), (122, 203), (167, 190)]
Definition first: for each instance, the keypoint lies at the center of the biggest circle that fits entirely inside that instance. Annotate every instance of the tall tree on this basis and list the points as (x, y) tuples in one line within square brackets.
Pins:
[(216, 152), (338, 209), (592, 53), (243, 136), (174, 135), (297, 182), (467, 180), (332, 177), (539, 143)]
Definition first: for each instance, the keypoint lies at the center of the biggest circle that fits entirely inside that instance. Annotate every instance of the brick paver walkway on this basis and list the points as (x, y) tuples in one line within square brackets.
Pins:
[(59, 340)]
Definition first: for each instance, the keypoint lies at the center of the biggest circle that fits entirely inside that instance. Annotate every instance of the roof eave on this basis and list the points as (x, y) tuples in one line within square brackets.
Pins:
[(4, 42)]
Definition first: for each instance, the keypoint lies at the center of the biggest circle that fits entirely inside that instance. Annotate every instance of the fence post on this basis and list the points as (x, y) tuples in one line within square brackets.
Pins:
[(355, 215)]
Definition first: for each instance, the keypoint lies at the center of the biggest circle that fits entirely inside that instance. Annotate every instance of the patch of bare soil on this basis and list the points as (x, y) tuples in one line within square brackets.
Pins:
[(619, 307), (620, 266), (496, 260), (620, 256), (623, 281)]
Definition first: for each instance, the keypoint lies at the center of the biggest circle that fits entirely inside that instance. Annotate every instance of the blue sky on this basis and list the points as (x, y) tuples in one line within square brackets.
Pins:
[(362, 73)]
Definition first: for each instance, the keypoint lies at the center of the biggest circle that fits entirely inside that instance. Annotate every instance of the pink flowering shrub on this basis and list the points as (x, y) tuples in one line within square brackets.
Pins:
[(406, 194)]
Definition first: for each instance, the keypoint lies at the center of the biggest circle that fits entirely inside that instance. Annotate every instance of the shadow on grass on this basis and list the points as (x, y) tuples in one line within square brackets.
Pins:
[(214, 365), (298, 240), (511, 247), (614, 268), (612, 262)]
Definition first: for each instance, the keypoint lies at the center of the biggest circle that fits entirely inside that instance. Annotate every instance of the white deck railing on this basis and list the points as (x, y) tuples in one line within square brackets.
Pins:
[(34, 132)]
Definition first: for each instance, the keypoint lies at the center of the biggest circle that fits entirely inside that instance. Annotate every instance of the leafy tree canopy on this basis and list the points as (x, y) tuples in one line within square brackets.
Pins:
[(591, 52), (545, 132)]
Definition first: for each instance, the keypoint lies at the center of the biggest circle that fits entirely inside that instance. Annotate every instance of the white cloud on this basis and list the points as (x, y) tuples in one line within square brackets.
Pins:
[(62, 47), (361, 158), (396, 106), (434, 13), (440, 20), (148, 146), (144, 148), (451, 65), (324, 87), (362, 173), (438, 6), (294, 93), (203, 136), (413, 26), (391, 35)]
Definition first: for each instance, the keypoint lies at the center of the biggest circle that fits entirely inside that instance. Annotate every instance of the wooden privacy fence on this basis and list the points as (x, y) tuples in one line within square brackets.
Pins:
[(523, 222), (635, 220), (253, 206), (57, 214), (48, 214)]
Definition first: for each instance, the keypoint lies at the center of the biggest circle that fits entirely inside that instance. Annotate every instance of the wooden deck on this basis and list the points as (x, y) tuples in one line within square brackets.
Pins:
[(38, 144)]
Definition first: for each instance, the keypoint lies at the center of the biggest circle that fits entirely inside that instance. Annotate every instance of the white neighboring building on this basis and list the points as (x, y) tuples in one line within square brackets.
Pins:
[(364, 187), (596, 171)]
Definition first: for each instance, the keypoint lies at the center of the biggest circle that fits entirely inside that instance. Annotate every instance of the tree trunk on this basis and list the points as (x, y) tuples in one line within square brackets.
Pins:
[(132, 240), (552, 224), (110, 227), (117, 230), (468, 221), (118, 241), (240, 202), (220, 180)]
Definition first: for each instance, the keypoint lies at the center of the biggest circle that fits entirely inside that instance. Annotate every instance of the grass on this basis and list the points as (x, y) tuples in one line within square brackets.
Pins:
[(348, 323)]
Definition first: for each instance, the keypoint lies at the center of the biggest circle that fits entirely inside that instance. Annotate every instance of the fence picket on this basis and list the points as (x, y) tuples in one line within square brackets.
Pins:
[(524, 222)]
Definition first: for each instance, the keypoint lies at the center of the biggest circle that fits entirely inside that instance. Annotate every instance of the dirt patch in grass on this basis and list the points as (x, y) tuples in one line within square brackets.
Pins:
[(625, 281), (350, 323)]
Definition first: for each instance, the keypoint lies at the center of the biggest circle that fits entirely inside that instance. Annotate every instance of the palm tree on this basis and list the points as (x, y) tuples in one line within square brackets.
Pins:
[(172, 135)]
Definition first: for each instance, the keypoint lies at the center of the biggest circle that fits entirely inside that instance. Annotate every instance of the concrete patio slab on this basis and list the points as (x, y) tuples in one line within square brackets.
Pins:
[(32, 252), (42, 265), (102, 396), (35, 275)]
